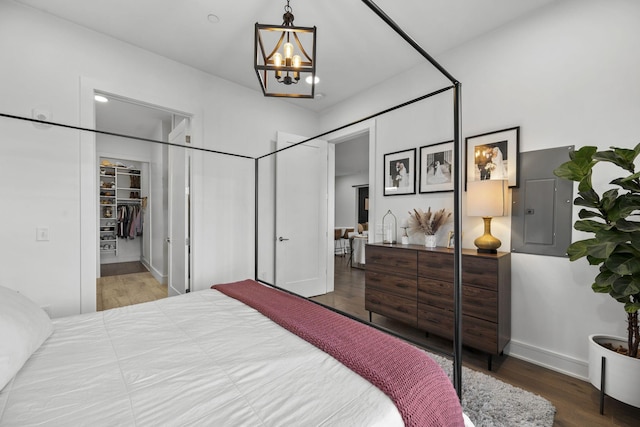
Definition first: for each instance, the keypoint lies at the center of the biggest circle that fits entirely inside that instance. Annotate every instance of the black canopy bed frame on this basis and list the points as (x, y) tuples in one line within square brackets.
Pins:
[(455, 87)]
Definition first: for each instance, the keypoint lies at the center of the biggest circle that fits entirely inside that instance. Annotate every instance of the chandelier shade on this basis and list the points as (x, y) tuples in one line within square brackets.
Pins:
[(284, 56)]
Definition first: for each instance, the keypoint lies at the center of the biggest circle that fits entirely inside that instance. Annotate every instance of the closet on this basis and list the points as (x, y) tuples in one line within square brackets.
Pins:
[(122, 201)]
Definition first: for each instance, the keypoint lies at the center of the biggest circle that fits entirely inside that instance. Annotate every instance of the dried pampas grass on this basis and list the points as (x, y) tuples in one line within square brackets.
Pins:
[(427, 222)]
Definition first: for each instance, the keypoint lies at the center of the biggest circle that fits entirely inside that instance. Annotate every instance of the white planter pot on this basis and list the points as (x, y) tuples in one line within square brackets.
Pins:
[(430, 240), (622, 373)]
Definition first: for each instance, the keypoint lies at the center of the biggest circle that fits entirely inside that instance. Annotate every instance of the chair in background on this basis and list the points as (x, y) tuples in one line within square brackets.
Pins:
[(346, 241), (338, 247), (350, 236)]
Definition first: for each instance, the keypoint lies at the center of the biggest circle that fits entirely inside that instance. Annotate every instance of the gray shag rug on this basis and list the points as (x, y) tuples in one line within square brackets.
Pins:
[(488, 401)]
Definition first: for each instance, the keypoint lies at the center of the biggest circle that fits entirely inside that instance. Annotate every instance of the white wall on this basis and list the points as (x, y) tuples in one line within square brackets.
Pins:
[(346, 198), (55, 64), (565, 75)]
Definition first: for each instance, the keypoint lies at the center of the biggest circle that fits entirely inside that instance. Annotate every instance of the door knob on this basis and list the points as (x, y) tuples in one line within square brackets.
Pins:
[(282, 239)]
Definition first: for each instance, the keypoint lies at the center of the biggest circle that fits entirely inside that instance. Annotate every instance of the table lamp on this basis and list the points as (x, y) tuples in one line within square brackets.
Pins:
[(486, 199)]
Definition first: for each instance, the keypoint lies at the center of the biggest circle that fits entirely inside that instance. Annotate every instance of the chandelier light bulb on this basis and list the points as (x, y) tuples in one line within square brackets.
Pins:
[(288, 50), (277, 59), (297, 61)]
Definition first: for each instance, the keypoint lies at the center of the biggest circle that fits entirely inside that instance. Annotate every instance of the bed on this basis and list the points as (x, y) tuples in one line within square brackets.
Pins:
[(207, 358)]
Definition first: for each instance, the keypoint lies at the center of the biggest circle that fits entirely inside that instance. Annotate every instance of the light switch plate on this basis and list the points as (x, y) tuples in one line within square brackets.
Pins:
[(42, 234)]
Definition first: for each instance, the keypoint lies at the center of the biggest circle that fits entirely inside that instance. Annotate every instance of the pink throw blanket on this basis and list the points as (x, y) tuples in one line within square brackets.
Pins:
[(420, 389)]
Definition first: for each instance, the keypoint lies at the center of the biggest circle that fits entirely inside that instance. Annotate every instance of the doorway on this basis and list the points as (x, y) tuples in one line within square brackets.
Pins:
[(141, 170), (351, 195), (301, 216)]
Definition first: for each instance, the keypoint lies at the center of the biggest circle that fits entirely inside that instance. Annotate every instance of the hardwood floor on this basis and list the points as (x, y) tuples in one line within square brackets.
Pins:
[(127, 289), (576, 401)]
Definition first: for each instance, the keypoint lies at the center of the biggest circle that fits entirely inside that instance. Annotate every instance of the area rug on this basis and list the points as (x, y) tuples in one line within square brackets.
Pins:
[(490, 402)]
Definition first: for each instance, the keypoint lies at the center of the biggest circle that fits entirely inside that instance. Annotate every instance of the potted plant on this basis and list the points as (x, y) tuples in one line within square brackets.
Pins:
[(613, 218), (428, 223)]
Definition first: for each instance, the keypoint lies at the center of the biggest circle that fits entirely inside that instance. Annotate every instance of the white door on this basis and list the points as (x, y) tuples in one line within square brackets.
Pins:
[(301, 243), (179, 210)]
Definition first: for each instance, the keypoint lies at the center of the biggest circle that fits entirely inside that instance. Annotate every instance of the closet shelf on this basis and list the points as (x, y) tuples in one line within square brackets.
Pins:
[(117, 184)]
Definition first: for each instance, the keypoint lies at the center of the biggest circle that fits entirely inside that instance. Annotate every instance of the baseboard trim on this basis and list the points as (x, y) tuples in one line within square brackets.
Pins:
[(161, 278), (549, 359)]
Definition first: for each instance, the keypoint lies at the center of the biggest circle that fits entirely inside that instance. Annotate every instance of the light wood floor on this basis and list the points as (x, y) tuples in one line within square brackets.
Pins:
[(576, 401), (126, 289)]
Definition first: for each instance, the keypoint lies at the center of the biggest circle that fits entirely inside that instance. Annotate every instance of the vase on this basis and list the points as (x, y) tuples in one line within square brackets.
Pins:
[(622, 373), (430, 240)]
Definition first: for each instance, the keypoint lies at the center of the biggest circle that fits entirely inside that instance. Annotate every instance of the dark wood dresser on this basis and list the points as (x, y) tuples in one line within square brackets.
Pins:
[(414, 284)]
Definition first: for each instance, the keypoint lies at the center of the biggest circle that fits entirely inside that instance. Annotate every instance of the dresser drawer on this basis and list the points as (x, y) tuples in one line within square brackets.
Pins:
[(435, 320), (476, 333), (391, 306), (480, 334), (476, 302), (435, 292), (480, 303), (392, 260), (477, 271), (436, 265), (391, 283), (480, 272)]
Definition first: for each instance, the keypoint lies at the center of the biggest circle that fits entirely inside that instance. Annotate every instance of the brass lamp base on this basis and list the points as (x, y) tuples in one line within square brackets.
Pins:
[(487, 244)]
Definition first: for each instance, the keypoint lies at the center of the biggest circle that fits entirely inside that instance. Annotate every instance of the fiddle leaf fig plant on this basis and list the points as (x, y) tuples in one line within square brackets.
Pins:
[(614, 219)]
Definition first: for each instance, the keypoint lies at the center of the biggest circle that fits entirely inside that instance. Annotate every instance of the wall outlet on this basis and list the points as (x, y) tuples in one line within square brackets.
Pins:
[(42, 234)]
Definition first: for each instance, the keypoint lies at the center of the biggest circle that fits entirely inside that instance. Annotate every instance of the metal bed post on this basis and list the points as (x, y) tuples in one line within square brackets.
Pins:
[(255, 225), (457, 126), (457, 230)]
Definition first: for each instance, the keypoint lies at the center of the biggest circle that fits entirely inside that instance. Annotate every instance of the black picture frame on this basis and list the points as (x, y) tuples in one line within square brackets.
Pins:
[(399, 173), (494, 155), (437, 167)]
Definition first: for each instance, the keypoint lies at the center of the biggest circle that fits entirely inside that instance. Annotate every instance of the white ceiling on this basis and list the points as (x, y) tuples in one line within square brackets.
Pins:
[(356, 50), (127, 118)]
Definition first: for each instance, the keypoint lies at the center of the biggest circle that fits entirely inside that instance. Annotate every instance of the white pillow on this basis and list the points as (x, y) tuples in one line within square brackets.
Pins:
[(23, 328)]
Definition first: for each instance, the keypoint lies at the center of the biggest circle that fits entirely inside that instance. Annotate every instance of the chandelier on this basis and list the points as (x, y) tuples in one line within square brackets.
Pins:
[(281, 68)]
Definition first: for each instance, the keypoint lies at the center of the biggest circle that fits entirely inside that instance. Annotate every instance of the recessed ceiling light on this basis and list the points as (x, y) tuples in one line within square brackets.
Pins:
[(214, 19), (101, 98), (308, 79)]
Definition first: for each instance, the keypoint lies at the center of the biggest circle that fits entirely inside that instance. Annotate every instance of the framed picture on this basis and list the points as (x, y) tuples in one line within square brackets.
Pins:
[(400, 173), (436, 167), (450, 239), (494, 155)]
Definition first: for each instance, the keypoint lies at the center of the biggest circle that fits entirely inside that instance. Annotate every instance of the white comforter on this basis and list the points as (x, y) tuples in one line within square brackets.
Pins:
[(199, 359)]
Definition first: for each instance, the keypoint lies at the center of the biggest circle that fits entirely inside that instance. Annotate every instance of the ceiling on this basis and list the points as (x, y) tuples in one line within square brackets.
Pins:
[(127, 118), (355, 49)]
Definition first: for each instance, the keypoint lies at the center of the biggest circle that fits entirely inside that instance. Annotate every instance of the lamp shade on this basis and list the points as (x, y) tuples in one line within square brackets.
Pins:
[(486, 198)]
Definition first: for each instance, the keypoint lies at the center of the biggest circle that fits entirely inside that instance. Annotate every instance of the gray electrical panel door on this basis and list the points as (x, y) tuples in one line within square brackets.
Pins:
[(542, 205)]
